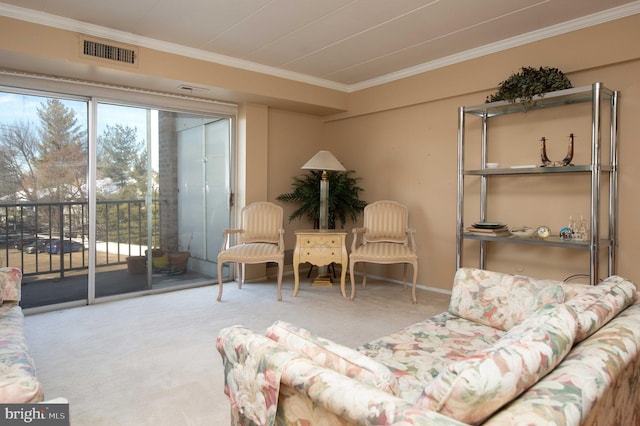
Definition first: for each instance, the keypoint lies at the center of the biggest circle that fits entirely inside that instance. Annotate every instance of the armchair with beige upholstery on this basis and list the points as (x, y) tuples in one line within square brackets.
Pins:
[(385, 238), (260, 240)]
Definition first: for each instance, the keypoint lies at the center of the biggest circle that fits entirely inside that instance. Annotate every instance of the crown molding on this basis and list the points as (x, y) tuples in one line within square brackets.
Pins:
[(563, 28), (59, 22), (73, 25)]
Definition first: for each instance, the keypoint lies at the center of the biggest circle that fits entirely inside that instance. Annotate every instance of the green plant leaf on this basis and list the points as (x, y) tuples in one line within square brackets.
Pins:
[(344, 201), (529, 82)]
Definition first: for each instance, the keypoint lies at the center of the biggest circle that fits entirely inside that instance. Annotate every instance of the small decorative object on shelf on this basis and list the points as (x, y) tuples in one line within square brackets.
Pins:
[(543, 232), (523, 232), (566, 161), (581, 234), (568, 232)]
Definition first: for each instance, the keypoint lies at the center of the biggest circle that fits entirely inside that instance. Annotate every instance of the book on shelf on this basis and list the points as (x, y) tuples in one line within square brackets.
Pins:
[(502, 231)]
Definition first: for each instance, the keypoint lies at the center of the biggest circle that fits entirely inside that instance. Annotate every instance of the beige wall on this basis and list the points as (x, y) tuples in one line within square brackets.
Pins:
[(37, 48), (293, 139), (400, 137)]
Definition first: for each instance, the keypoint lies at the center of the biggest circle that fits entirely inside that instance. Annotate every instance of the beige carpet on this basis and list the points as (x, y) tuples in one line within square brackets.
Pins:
[(152, 360)]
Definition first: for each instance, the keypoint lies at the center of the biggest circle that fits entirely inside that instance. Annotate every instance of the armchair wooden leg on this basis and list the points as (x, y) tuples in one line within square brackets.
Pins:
[(404, 276), (280, 270), (352, 273), (364, 274), (219, 281), (415, 279)]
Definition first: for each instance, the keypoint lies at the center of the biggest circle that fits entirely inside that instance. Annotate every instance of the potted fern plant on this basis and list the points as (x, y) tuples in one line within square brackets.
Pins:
[(344, 200), (529, 82)]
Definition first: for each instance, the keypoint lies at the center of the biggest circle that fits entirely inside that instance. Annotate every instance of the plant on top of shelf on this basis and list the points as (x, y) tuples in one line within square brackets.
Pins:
[(344, 201), (529, 82)]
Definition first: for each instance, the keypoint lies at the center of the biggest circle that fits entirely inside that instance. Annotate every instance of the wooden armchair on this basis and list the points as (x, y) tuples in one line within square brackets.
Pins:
[(260, 240), (386, 239)]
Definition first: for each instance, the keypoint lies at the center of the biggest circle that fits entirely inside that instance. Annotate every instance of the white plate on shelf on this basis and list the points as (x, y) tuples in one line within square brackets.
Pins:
[(493, 165)]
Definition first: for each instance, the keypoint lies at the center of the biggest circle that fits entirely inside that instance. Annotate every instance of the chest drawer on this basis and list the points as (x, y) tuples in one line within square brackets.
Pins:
[(321, 255), (320, 241)]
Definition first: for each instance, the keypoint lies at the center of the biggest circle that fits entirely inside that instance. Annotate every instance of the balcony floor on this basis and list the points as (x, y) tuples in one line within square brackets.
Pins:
[(42, 290)]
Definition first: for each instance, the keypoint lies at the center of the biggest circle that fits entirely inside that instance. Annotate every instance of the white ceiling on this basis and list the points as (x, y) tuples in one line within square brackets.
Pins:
[(344, 44)]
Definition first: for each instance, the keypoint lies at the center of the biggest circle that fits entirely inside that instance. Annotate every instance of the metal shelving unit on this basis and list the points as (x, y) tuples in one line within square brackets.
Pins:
[(597, 95)]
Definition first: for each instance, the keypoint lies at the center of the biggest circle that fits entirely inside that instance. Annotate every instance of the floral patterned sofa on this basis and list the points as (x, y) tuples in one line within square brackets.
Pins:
[(18, 381), (510, 350)]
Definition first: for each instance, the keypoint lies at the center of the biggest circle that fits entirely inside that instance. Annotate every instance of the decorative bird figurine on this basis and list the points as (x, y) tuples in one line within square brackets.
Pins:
[(543, 153), (566, 161)]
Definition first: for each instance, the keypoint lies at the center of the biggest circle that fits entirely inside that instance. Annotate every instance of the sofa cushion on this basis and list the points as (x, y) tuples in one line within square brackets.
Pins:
[(500, 300), (329, 354), (472, 389), (10, 284), (18, 381), (599, 304), (419, 352)]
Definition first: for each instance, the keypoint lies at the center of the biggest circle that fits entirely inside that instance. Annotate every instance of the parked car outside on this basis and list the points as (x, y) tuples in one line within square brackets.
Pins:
[(20, 244), (35, 246), (53, 247)]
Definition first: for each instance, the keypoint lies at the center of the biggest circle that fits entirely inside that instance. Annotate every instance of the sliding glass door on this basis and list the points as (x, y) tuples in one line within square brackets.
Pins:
[(139, 201), (164, 202), (203, 180), (44, 194)]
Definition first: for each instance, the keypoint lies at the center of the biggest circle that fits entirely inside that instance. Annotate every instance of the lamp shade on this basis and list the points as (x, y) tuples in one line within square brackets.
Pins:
[(323, 160)]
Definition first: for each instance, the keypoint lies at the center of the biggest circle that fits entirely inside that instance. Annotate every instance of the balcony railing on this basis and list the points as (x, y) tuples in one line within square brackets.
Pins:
[(46, 238)]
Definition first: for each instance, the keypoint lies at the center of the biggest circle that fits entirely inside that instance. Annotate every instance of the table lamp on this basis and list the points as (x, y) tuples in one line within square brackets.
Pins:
[(323, 160)]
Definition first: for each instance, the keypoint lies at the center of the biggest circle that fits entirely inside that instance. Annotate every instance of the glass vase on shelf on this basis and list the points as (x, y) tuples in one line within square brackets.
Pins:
[(569, 232), (582, 234)]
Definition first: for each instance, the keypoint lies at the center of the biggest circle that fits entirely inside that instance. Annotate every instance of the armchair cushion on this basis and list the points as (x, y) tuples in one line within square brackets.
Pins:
[(384, 252), (599, 304), (331, 355), (472, 389), (252, 253), (500, 300)]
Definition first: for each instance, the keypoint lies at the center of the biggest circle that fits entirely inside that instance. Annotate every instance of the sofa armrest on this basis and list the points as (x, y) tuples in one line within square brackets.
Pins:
[(265, 381), (334, 356), (345, 398), (253, 365), (10, 284), (596, 384)]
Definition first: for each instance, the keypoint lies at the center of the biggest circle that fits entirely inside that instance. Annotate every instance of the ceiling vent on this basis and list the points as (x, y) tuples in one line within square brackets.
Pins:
[(192, 89), (98, 49)]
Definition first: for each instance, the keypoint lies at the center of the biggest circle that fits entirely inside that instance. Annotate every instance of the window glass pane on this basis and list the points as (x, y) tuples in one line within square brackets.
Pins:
[(43, 195), (153, 180), (162, 182)]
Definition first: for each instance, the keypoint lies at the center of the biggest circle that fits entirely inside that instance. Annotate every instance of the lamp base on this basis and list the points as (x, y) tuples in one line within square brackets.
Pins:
[(322, 281)]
